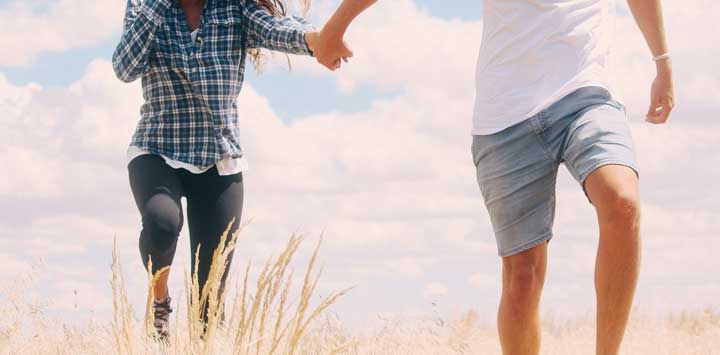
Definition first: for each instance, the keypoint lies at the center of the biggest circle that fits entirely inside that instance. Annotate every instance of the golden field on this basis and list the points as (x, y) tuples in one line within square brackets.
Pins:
[(272, 316)]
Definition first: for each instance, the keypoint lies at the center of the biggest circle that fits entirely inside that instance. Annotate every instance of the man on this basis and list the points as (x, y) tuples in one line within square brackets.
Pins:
[(544, 97)]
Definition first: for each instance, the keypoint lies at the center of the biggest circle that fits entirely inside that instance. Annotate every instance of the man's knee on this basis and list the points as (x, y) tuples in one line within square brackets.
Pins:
[(524, 275), (613, 189), (621, 205)]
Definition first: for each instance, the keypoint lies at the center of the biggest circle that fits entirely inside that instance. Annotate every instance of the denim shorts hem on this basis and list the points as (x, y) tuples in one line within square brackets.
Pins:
[(542, 238), (582, 176)]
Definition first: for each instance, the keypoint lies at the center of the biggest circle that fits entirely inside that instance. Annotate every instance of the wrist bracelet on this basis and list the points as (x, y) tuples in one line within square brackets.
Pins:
[(661, 57)]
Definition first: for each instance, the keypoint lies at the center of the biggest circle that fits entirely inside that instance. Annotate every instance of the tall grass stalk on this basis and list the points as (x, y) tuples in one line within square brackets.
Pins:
[(260, 321)]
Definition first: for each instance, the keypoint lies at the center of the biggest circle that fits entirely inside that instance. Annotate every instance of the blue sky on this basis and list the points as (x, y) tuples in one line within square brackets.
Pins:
[(59, 69)]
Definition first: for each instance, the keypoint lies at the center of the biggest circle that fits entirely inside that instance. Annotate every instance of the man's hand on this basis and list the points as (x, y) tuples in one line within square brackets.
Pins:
[(648, 15), (328, 48), (662, 99), (328, 45)]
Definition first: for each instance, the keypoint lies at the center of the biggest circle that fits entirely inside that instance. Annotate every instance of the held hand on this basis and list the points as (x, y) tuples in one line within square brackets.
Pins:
[(328, 48), (662, 99)]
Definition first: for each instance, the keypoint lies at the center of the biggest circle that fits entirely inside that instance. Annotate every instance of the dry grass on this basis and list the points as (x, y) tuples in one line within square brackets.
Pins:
[(273, 317), (262, 319)]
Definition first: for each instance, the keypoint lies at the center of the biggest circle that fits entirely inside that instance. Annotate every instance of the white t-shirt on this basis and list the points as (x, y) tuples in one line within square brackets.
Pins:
[(535, 52), (227, 166)]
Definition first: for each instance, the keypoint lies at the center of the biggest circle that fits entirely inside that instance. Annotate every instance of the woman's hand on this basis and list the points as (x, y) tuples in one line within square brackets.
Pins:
[(328, 48), (328, 45), (662, 98)]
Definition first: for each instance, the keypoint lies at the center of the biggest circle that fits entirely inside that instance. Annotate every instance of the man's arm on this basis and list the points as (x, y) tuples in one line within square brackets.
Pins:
[(329, 46), (648, 16)]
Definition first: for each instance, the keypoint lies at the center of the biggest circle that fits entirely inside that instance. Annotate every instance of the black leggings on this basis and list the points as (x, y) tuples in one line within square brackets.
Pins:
[(212, 202)]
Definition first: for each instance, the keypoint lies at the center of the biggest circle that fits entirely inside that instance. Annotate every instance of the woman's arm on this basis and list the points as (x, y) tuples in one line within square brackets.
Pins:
[(286, 34), (648, 15), (142, 20)]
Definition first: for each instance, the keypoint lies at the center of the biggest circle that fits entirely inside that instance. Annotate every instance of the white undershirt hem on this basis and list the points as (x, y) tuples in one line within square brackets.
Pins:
[(227, 166)]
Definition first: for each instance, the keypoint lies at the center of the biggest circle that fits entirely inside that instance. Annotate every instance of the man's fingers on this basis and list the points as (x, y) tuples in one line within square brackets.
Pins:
[(327, 62), (345, 50), (665, 113), (331, 66), (659, 113), (652, 110)]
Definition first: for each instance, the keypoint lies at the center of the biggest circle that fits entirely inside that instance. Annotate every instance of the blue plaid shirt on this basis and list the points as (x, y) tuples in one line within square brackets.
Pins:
[(190, 88)]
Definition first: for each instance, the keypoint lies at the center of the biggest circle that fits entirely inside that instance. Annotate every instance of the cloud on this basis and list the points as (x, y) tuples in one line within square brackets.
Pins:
[(482, 280), (435, 290), (410, 50), (392, 187), (35, 27), (697, 84)]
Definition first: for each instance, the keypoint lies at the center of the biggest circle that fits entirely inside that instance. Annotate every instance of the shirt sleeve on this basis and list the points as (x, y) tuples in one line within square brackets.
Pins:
[(286, 34), (142, 21)]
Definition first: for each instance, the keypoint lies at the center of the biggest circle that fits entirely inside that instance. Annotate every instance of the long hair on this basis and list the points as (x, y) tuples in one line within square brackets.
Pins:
[(276, 8)]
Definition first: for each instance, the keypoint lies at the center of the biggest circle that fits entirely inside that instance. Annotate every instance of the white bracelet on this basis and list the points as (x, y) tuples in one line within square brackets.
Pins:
[(661, 57)]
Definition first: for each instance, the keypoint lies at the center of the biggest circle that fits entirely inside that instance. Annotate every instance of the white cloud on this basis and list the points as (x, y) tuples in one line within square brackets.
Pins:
[(485, 280), (697, 83), (409, 49), (31, 28), (435, 290)]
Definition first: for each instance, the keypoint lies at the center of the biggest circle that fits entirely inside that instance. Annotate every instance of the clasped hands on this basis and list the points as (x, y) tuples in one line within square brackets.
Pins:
[(329, 48)]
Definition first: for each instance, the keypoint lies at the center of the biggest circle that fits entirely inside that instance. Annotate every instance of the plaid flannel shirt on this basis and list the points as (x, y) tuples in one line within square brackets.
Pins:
[(190, 88)]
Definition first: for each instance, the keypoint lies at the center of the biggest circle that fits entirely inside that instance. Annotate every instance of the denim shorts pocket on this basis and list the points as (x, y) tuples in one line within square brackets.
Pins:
[(618, 105), (476, 149)]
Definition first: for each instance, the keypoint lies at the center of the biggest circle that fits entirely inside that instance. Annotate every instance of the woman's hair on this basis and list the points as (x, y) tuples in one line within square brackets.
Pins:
[(276, 8)]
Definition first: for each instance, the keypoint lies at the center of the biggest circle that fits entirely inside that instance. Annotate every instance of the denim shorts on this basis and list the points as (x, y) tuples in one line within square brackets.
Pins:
[(517, 167)]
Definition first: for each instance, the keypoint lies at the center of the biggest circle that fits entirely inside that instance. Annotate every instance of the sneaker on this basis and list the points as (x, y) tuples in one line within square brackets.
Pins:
[(161, 313)]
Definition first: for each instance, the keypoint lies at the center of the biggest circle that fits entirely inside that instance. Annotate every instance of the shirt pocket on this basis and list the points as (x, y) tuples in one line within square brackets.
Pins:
[(223, 36), (168, 51)]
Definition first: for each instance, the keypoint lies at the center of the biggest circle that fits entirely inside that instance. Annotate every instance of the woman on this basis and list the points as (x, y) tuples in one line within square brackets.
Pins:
[(190, 55)]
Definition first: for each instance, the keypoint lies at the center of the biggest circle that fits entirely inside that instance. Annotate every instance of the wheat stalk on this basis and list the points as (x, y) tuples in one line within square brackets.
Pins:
[(261, 322)]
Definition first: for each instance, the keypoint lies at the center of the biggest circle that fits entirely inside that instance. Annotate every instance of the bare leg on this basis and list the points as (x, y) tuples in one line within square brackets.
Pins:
[(519, 316), (160, 288), (613, 189)]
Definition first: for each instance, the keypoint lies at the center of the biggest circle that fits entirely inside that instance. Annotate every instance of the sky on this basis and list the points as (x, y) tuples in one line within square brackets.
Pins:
[(375, 157)]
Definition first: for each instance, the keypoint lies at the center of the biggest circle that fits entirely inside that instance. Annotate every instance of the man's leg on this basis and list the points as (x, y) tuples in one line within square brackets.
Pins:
[(517, 179), (613, 190), (519, 316)]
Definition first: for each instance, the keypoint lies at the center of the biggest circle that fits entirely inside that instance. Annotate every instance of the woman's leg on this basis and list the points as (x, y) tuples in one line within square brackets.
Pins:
[(212, 202), (157, 191)]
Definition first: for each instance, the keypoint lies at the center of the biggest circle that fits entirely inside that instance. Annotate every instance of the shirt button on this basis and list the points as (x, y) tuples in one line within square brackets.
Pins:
[(199, 40)]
